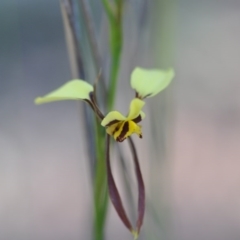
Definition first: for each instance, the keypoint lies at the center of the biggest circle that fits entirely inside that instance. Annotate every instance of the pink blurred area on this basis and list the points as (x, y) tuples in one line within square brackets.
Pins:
[(206, 178)]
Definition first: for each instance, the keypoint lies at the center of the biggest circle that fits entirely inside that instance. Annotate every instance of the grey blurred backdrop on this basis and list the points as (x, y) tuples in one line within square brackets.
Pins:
[(45, 186)]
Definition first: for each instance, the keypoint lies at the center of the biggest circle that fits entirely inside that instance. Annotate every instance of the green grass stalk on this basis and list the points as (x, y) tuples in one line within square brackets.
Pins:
[(100, 186), (116, 43)]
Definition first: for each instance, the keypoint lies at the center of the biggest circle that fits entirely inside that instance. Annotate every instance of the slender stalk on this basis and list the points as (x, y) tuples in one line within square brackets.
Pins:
[(116, 42), (108, 9), (88, 22), (75, 54), (100, 192), (100, 186), (114, 70)]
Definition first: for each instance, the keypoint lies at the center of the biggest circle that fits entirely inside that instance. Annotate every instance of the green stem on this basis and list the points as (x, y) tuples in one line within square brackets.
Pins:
[(108, 10), (113, 78), (100, 185), (116, 42)]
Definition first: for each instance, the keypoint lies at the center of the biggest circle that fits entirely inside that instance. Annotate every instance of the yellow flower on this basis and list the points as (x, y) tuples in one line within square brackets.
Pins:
[(146, 83), (121, 127)]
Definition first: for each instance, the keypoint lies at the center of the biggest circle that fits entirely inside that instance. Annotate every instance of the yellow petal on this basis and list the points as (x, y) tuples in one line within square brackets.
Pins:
[(72, 90), (113, 128), (149, 82), (112, 118), (136, 106)]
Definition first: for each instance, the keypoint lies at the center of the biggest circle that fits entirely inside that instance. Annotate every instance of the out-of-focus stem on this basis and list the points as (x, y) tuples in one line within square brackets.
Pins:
[(115, 26), (116, 54), (100, 186), (75, 55), (88, 21)]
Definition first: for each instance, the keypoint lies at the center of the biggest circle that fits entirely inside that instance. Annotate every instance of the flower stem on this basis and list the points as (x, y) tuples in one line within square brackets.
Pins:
[(100, 185), (115, 26)]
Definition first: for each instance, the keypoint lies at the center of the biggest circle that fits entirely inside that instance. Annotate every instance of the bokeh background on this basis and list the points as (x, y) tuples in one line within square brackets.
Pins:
[(45, 181)]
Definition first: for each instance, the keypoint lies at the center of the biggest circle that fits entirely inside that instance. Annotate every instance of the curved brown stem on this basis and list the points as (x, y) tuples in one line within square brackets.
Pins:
[(114, 194), (141, 187), (95, 106), (113, 191)]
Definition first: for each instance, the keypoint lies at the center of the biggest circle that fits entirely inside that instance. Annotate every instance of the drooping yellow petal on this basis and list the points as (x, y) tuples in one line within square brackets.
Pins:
[(72, 90), (149, 82), (112, 118), (136, 106)]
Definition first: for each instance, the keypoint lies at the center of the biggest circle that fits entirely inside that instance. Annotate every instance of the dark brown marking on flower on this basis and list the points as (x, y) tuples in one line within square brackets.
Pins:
[(137, 119), (137, 95), (115, 130), (124, 131), (112, 122)]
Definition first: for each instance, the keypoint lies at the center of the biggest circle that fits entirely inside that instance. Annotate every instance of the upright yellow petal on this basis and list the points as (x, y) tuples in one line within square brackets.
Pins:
[(72, 90), (136, 106), (112, 118), (149, 82)]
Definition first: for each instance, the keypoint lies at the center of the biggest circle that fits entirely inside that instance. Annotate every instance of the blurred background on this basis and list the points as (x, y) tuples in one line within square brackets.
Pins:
[(193, 179)]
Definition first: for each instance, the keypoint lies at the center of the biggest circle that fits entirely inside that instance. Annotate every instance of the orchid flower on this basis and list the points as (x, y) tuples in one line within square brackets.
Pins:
[(121, 127), (146, 83)]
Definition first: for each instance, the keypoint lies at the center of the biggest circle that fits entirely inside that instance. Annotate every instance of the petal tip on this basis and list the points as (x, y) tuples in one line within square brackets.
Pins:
[(103, 122), (135, 234), (38, 101), (171, 72)]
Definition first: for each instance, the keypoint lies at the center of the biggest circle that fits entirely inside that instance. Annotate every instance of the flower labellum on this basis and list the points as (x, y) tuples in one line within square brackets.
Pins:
[(121, 127)]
